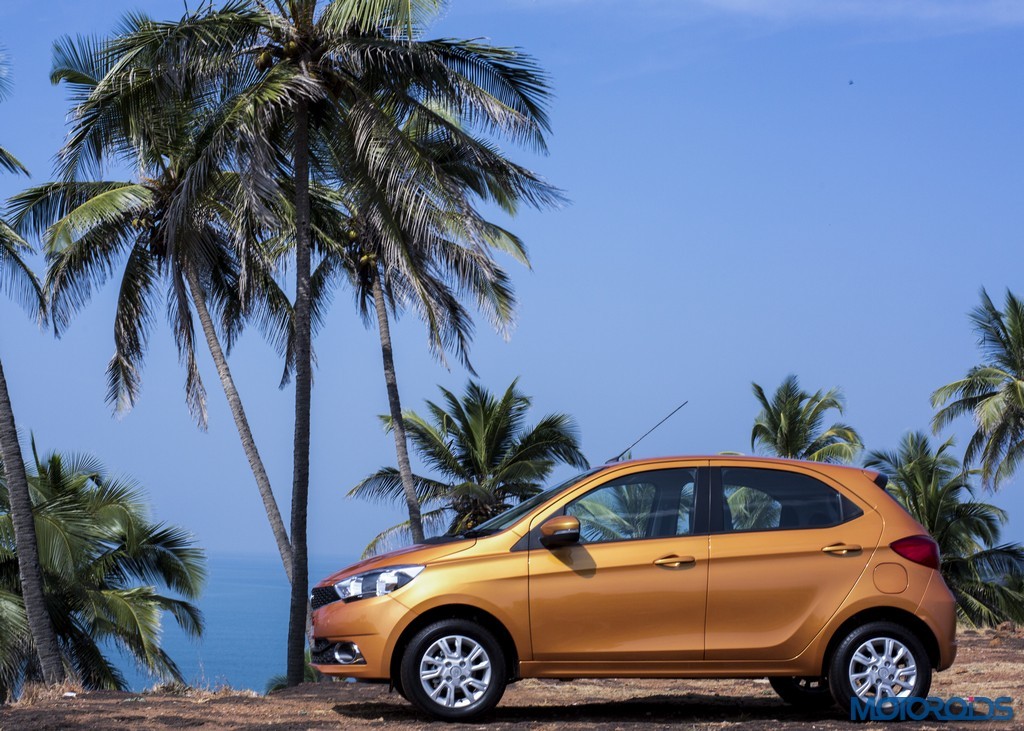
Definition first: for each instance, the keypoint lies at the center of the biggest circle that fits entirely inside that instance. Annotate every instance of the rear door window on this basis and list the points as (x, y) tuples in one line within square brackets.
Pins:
[(757, 499)]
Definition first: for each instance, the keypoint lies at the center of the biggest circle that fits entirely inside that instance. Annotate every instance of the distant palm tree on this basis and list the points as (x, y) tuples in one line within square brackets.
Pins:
[(487, 459), (984, 575), (792, 425), (18, 280), (992, 392), (103, 560)]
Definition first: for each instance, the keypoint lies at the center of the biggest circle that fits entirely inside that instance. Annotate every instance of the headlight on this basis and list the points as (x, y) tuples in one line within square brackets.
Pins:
[(376, 583)]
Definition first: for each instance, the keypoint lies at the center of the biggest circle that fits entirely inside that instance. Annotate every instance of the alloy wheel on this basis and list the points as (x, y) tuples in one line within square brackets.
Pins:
[(882, 667), (455, 671)]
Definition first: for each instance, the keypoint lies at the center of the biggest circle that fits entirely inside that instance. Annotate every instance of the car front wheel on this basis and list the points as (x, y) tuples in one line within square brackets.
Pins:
[(454, 670), (879, 660)]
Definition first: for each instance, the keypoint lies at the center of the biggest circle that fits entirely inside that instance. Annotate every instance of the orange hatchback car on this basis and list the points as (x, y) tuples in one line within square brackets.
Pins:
[(684, 567)]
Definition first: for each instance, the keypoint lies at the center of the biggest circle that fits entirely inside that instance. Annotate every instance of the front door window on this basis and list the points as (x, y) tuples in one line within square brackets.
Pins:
[(650, 505)]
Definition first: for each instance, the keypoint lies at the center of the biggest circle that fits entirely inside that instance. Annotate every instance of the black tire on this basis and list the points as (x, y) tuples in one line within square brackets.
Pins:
[(470, 666), (850, 658), (396, 685), (809, 693)]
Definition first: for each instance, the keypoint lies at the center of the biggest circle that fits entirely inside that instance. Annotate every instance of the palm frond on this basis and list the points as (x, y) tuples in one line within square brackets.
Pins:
[(16, 278), (399, 536), (10, 163), (133, 321), (399, 19)]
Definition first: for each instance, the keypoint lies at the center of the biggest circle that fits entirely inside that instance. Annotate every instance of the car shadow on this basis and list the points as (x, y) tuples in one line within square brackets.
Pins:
[(679, 708)]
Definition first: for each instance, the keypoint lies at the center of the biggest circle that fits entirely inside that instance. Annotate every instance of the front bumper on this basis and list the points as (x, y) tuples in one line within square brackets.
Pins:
[(368, 623)]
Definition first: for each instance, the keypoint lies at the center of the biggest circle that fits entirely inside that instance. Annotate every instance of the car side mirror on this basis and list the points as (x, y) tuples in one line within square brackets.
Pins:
[(561, 530)]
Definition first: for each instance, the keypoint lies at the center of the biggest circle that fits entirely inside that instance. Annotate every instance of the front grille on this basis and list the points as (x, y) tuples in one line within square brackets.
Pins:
[(322, 596), (320, 652)]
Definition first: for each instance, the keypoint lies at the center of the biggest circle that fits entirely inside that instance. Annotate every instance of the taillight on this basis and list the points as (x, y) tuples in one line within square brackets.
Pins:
[(919, 549)]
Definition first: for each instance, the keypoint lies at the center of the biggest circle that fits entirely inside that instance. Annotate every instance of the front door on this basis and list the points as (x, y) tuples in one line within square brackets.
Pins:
[(634, 588)]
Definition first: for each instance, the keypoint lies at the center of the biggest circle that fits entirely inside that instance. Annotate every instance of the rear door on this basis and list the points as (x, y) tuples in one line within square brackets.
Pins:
[(787, 546)]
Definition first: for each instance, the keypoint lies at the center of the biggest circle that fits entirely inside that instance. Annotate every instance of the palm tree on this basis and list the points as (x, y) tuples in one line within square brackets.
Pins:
[(18, 280), (792, 425), (102, 560), (486, 457), (291, 95), (92, 228), (443, 254), (984, 575), (440, 248), (382, 289), (992, 392)]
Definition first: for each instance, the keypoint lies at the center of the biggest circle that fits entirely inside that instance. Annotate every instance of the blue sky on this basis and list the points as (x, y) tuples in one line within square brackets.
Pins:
[(758, 188)]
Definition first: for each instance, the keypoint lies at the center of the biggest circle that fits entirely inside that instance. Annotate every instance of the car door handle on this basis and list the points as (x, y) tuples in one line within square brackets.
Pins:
[(674, 561), (841, 548)]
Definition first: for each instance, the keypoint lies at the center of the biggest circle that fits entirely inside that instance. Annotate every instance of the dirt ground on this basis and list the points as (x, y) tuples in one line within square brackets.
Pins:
[(990, 663)]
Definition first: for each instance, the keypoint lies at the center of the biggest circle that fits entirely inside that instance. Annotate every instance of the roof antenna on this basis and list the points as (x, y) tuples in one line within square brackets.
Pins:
[(617, 457)]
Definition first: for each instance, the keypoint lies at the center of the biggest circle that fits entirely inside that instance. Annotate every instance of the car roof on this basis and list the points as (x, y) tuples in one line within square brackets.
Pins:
[(826, 467)]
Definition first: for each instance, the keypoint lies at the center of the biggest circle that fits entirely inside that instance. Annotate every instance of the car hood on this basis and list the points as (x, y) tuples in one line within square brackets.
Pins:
[(418, 554)]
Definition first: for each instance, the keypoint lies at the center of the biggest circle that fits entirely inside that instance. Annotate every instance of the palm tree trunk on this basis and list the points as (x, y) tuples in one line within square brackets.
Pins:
[(395, 404), (259, 472), (41, 626), (303, 382)]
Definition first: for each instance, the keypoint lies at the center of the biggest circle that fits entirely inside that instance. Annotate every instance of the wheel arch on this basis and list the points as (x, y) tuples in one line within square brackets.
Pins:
[(901, 617), (458, 611)]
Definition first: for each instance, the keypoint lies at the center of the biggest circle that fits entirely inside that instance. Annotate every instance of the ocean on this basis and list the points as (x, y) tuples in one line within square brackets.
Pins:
[(245, 606)]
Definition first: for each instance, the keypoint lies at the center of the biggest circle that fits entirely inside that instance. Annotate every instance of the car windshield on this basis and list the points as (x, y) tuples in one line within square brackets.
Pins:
[(504, 520)]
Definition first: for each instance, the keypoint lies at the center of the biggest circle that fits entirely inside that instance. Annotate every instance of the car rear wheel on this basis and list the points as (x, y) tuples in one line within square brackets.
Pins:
[(454, 670), (811, 693), (879, 660)]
